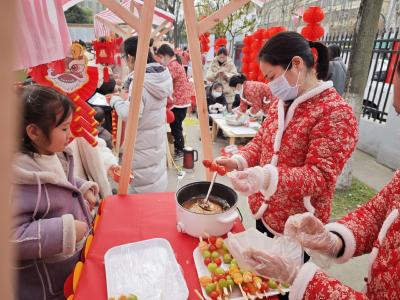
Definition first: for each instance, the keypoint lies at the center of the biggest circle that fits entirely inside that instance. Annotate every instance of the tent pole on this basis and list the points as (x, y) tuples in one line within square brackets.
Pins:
[(144, 32), (9, 121), (195, 54)]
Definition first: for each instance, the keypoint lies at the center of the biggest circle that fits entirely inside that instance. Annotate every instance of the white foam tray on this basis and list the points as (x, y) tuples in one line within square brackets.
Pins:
[(147, 269)]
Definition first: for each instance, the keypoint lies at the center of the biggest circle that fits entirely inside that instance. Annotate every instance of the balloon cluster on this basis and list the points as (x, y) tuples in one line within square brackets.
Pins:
[(252, 46), (313, 16), (219, 43)]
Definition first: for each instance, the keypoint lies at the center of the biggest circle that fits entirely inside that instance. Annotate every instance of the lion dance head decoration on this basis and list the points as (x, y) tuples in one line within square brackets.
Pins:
[(75, 79)]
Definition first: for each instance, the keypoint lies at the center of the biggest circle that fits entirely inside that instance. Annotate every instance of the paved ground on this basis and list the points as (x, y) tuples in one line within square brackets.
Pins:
[(365, 168)]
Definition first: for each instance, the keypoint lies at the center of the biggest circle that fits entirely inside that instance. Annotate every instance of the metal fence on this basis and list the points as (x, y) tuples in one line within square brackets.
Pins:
[(385, 56)]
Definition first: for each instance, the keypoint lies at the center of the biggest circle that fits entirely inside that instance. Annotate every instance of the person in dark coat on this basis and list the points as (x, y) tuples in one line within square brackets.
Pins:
[(337, 69), (215, 94)]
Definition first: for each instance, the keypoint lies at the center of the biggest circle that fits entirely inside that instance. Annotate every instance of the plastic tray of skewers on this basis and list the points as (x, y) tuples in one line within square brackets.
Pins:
[(221, 278)]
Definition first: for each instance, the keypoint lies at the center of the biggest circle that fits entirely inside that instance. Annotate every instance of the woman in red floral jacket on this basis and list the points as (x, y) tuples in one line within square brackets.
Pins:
[(373, 228), (255, 94), (181, 96), (292, 164)]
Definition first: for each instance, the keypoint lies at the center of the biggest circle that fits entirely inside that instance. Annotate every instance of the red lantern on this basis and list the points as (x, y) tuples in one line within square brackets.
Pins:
[(275, 30), (253, 67), (312, 32), (261, 77), (246, 50), (313, 14), (245, 68), (254, 56), (258, 34), (248, 40), (246, 59), (170, 116), (257, 44), (253, 75), (266, 34)]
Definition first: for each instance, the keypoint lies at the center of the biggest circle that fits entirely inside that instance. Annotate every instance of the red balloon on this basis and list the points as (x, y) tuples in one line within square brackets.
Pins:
[(170, 116), (313, 14), (312, 32), (245, 68)]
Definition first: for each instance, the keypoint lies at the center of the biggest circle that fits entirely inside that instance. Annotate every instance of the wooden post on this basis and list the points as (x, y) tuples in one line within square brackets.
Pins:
[(122, 12), (144, 31), (219, 15), (194, 49), (9, 121)]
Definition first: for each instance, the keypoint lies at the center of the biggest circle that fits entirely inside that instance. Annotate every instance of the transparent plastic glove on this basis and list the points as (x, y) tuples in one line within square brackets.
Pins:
[(278, 267), (250, 181), (310, 232)]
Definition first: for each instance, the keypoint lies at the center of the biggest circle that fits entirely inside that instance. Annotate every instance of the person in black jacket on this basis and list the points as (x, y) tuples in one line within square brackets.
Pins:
[(215, 94)]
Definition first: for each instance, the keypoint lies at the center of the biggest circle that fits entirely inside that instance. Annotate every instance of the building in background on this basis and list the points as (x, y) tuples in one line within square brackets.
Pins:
[(94, 5), (340, 15)]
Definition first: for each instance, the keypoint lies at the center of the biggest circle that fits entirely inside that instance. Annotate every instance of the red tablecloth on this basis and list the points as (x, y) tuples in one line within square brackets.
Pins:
[(132, 218)]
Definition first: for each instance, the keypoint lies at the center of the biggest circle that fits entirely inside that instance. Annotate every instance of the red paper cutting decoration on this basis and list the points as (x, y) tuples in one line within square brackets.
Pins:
[(78, 82), (313, 14), (312, 32), (104, 52)]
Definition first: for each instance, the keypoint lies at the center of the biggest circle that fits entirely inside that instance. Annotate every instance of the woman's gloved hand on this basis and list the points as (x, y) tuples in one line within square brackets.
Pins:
[(311, 233), (277, 267), (250, 181)]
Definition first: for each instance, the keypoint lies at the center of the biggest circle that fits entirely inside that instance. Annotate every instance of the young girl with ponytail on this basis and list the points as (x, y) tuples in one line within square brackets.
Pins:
[(292, 164)]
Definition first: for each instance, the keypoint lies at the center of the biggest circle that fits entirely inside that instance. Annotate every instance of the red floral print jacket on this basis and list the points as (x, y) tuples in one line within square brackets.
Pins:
[(183, 90), (257, 95), (304, 150), (373, 228)]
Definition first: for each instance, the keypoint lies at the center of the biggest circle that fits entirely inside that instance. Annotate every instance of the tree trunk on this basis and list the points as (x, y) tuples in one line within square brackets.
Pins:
[(357, 74)]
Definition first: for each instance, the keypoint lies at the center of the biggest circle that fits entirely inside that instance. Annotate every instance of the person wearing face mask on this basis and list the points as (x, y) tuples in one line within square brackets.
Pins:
[(255, 94), (373, 228), (181, 97), (221, 69), (215, 95), (292, 164)]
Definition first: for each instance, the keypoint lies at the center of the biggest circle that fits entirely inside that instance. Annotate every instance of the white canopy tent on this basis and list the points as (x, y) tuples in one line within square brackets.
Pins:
[(107, 21)]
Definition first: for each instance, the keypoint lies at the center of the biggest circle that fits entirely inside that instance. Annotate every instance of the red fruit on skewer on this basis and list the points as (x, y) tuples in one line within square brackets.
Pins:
[(214, 167), (221, 171), (207, 163), (212, 239)]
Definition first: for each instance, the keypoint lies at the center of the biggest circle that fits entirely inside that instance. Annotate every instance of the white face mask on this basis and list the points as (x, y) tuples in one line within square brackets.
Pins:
[(281, 88), (216, 94)]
